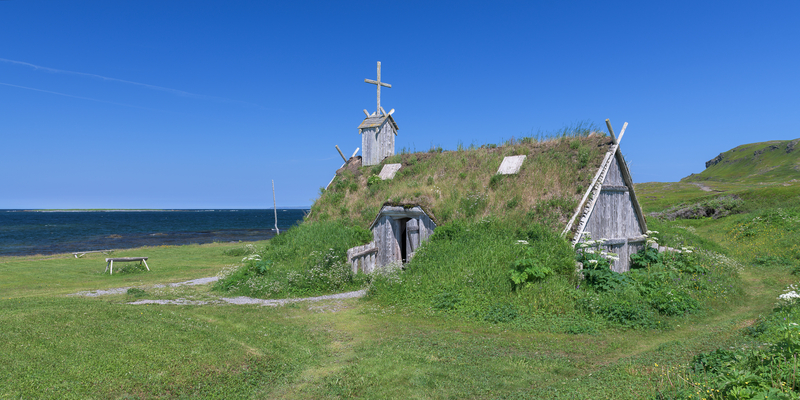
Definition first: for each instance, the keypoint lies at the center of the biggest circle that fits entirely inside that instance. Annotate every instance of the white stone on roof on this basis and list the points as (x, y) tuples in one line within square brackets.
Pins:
[(511, 165), (389, 170)]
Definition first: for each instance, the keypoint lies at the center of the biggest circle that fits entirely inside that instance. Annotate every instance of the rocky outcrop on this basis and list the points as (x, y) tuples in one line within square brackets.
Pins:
[(714, 161), (764, 150), (792, 146)]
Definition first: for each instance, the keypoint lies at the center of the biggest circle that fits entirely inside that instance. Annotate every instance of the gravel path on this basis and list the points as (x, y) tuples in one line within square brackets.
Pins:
[(250, 300), (123, 290), (222, 300)]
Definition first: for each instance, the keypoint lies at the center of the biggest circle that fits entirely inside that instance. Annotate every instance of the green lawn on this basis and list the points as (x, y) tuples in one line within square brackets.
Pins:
[(59, 346)]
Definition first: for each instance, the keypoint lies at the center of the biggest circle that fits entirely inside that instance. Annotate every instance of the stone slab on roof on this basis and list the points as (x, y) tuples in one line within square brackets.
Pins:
[(389, 170), (511, 165)]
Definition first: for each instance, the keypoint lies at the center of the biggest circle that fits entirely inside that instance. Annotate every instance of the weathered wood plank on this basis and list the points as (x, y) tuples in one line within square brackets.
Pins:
[(340, 152), (78, 254)]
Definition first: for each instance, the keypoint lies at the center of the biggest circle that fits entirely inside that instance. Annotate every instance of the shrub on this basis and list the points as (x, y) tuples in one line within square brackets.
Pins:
[(526, 271), (645, 258), (672, 302), (627, 309), (374, 180)]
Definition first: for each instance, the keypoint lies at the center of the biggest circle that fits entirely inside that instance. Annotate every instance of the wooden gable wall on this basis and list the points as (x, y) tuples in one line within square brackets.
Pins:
[(615, 218), (377, 143)]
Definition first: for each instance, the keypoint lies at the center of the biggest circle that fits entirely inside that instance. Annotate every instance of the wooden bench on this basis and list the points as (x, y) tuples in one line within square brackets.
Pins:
[(78, 254), (110, 262)]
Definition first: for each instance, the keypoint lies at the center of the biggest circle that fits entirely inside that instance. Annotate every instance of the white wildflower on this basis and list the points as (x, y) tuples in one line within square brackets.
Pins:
[(522, 242), (592, 261), (789, 296)]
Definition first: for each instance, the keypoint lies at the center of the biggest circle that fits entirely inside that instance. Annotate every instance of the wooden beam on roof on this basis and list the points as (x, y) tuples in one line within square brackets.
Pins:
[(611, 131), (366, 113), (622, 132), (340, 153), (626, 177)]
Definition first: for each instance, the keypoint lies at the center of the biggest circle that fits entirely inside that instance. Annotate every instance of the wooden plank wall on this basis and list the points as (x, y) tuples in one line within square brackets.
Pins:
[(386, 234), (363, 258), (369, 146), (377, 143), (615, 220), (386, 141)]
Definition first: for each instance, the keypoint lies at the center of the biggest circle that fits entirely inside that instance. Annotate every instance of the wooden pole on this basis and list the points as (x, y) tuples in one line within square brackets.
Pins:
[(275, 207), (340, 152), (622, 132), (611, 131), (379, 87)]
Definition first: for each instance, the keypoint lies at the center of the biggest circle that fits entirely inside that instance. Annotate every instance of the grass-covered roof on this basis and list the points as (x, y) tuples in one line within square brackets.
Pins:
[(462, 184)]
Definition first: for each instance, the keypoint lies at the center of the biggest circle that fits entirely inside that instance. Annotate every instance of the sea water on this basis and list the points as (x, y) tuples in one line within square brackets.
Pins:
[(48, 232)]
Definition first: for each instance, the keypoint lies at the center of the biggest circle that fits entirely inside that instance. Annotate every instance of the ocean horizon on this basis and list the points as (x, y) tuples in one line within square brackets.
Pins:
[(53, 231)]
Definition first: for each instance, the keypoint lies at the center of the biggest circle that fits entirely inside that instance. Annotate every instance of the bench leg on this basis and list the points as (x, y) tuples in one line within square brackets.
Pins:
[(111, 271), (145, 265)]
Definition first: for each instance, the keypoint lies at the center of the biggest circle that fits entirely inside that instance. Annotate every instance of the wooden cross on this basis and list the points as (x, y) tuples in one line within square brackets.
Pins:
[(379, 84)]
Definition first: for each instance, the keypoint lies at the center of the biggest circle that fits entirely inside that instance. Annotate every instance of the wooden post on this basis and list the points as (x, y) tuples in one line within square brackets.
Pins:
[(340, 152), (611, 131), (275, 207), (622, 132)]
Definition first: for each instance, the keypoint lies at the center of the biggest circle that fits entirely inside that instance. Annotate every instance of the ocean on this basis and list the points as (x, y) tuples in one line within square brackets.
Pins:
[(25, 232)]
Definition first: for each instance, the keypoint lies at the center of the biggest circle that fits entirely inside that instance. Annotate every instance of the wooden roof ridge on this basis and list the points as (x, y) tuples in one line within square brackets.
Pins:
[(406, 205), (375, 121), (587, 203)]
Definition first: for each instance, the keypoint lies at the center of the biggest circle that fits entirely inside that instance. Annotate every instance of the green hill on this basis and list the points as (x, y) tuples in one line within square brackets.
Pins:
[(771, 161), (742, 171)]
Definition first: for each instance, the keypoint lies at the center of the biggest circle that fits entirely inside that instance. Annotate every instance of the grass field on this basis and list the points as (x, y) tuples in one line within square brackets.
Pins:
[(58, 346), (396, 343)]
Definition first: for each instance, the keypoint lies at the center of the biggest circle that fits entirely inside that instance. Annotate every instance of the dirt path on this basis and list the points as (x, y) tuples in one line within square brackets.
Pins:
[(221, 300), (702, 187), (123, 290)]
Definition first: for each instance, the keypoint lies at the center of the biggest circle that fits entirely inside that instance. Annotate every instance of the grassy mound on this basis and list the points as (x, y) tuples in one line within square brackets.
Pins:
[(462, 184), (308, 259), (467, 270)]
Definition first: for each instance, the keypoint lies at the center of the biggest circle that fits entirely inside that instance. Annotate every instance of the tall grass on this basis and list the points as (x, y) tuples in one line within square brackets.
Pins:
[(308, 259), (464, 270)]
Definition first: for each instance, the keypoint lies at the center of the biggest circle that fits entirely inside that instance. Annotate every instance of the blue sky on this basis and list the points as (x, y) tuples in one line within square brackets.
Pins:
[(200, 104)]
